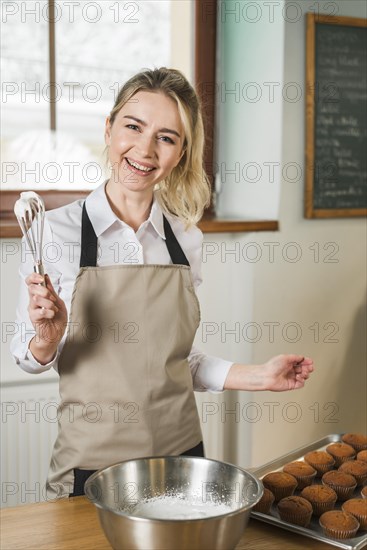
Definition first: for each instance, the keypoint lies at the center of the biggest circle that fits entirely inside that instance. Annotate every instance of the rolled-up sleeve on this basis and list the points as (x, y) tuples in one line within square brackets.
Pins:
[(29, 364), (208, 372)]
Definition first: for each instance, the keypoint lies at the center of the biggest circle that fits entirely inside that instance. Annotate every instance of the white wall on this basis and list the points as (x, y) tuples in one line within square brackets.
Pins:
[(311, 291), (300, 296)]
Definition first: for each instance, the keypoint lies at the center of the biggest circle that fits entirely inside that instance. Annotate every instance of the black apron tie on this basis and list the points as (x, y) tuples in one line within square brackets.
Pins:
[(173, 246), (88, 252)]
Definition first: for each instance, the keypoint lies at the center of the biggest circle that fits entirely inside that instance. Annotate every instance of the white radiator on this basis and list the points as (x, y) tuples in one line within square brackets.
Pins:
[(28, 431)]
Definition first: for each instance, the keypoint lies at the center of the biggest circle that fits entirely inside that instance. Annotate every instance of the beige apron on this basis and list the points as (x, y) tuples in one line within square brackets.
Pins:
[(125, 383)]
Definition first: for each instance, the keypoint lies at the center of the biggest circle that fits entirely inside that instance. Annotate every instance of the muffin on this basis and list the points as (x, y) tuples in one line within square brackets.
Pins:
[(264, 504), (280, 484), (343, 484), (341, 452), (358, 508), (320, 460), (303, 472), (339, 525), (295, 510), (357, 468), (357, 441), (362, 455), (364, 492), (321, 497)]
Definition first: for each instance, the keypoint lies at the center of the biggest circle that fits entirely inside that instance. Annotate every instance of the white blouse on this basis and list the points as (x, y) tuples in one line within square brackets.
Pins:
[(117, 244)]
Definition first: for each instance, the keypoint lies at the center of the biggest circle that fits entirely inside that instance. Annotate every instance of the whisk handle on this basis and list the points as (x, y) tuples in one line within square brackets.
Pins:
[(38, 268)]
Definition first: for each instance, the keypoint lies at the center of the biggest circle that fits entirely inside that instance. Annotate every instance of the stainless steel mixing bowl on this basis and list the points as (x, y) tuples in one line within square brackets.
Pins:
[(117, 489)]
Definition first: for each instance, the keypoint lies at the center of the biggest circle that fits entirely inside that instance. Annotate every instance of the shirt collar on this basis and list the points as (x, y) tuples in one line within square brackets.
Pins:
[(156, 217), (102, 216)]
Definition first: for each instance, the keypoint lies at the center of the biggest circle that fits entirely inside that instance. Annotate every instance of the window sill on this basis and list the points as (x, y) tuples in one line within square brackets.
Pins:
[(218, 225)]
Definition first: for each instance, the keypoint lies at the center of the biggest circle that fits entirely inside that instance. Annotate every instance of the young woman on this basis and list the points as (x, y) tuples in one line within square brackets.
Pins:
[(122, 267)]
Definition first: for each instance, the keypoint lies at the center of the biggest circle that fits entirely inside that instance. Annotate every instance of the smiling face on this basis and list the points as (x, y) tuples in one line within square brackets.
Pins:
[(145, 141)]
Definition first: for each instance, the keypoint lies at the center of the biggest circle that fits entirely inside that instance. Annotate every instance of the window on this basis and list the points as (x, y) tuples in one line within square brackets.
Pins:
[(98, 45), (184, 36), (94, 47)]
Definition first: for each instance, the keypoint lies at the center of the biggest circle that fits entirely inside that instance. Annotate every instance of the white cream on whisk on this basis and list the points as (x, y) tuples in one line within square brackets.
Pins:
[(28, 195), (22, 207), (28, 205)]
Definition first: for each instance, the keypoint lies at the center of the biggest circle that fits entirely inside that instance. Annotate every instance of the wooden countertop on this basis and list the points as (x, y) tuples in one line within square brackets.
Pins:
[(72, 524)]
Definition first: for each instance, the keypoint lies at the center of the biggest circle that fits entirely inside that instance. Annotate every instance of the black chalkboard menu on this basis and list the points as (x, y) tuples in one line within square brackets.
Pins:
[(336, 117)]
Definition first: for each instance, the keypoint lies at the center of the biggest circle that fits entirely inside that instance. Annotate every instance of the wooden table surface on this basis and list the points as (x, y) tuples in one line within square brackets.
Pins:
[(72, 524)]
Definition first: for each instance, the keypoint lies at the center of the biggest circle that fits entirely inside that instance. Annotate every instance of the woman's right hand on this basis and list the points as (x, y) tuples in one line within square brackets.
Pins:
[(48, 314)]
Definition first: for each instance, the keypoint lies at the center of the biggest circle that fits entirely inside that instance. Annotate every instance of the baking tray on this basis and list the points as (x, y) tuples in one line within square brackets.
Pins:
[(314, 530)]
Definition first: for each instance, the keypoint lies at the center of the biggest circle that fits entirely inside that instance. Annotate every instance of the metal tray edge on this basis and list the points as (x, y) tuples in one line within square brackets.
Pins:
[(301, 531), (278, 462), (307, 533)]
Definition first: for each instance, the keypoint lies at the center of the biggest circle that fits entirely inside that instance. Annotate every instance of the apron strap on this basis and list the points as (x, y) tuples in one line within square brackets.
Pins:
[(173, 246), (88, 254)]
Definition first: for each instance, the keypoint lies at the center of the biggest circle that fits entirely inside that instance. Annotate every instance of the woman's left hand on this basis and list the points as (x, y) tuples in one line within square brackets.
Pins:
[(287, 372), (281, 373)]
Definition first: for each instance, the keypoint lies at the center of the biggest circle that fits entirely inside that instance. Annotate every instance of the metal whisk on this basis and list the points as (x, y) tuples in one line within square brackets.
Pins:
[(30, 212)]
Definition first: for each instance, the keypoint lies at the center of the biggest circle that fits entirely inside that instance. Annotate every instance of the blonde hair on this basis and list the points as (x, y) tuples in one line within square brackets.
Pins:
[(186, 191)]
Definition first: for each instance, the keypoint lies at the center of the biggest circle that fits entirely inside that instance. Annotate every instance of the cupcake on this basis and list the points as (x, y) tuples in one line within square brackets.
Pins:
[(357, 441), (280, 484), (364, 492), (362, 455), (264, 504), (342, 483), (321, 461), (358, 508), (341, 452), (295, 510), (321, 497), (339, 525), (303, 472), (357, 468)]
